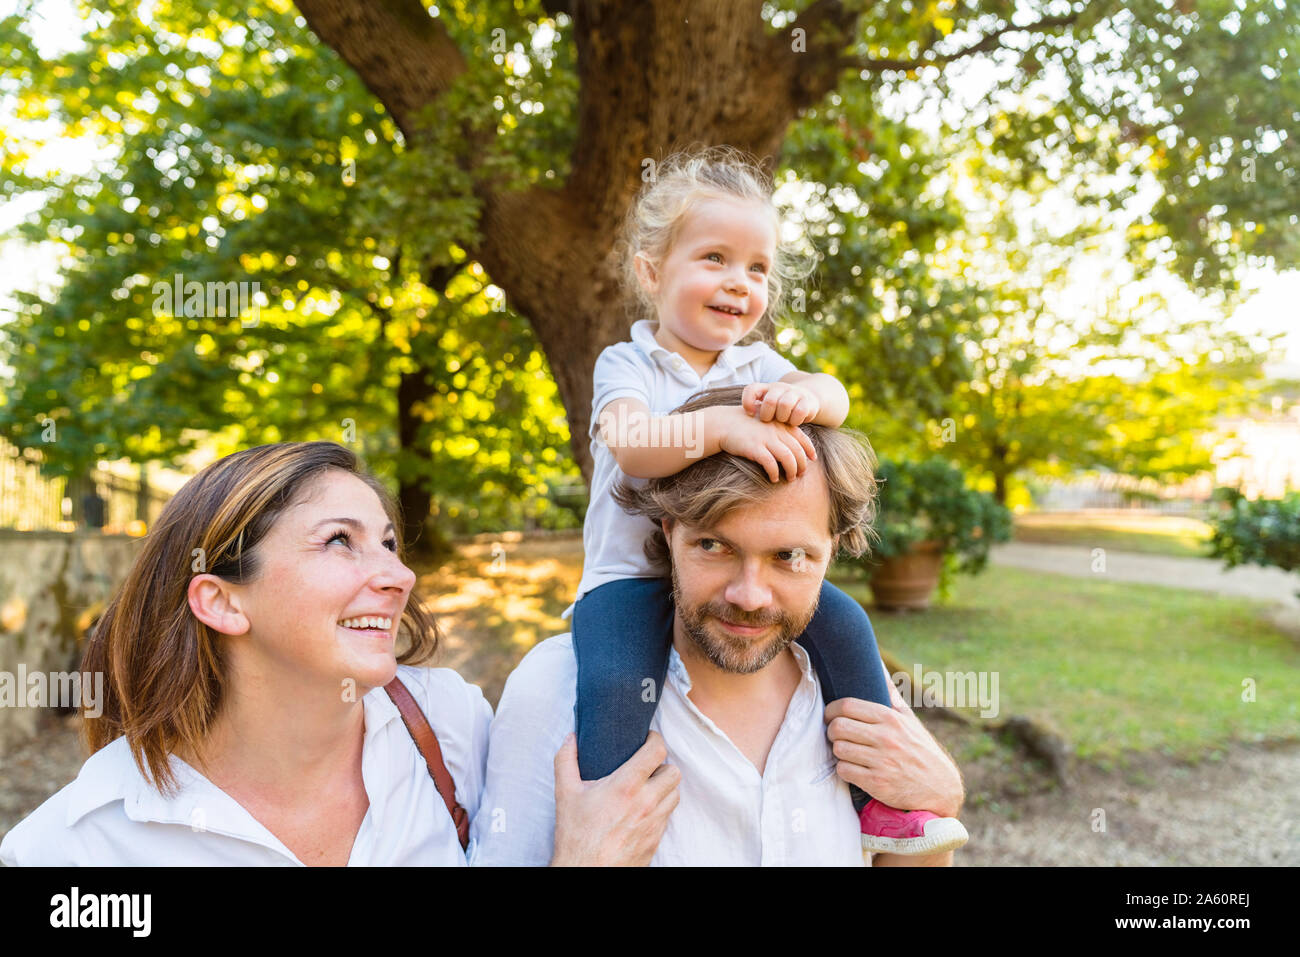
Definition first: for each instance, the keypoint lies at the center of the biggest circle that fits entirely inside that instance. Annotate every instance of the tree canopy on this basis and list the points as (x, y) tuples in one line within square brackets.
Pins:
[(427, 199)]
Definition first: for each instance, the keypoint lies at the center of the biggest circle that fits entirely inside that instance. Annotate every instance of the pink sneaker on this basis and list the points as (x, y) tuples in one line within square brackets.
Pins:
[(887, 830)]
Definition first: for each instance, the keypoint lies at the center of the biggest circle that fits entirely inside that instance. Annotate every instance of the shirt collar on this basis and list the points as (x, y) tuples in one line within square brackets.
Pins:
[(731, 358), (805, 699), (111, 774)]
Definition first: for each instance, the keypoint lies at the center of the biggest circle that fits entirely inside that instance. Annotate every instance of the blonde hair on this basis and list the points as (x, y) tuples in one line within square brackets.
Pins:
[(680, 181), (164, 675), (703, 493)]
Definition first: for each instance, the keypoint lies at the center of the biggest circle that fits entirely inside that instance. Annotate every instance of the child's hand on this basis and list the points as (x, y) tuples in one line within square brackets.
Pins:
[(780, 402), (773, 445)]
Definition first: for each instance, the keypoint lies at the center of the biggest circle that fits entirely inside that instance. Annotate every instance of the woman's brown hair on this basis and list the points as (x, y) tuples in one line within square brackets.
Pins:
[(164, 676)]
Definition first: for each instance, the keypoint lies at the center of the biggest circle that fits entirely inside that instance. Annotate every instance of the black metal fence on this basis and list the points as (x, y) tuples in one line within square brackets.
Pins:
[(103, 498)]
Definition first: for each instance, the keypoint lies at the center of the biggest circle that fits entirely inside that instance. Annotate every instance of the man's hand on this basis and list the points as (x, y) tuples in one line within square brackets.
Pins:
[(619, 819), (773, 445), (780, 402), (888, 753)]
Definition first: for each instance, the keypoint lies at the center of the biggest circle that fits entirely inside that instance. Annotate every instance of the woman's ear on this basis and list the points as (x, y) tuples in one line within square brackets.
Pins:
[(213, 602)]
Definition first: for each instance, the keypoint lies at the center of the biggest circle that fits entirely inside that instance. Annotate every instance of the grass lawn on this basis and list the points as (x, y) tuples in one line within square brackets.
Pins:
[(1153, 535), (1114, 667)]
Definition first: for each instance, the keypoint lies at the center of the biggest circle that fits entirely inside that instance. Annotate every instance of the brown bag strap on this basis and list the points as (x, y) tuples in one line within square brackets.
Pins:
[(427, 743)]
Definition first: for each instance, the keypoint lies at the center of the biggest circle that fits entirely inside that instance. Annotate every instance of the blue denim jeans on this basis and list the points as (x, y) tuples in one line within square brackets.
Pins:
[(621, 635)]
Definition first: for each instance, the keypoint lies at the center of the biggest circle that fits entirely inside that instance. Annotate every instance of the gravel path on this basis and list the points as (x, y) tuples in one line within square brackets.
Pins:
[(1204, 574), (33, 770)]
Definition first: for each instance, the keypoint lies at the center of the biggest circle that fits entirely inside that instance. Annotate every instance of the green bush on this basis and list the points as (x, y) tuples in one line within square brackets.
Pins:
[(929, 501), (1263, 532)]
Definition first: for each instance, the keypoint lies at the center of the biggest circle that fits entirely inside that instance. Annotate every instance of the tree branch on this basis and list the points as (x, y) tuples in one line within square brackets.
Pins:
[(828, 27), (404, 56), (984, 44)]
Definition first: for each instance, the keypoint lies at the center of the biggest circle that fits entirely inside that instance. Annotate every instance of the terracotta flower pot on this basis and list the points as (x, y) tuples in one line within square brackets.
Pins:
[(908, 580)]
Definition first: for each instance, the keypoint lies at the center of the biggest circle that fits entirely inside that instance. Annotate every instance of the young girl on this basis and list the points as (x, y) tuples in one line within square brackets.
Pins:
[(702, 256)]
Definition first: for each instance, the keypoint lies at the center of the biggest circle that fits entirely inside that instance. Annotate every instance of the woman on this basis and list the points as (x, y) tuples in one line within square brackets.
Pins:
[(245, 719)]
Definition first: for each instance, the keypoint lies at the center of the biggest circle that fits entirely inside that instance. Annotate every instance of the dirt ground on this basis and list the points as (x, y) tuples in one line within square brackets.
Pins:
[(1236, 809)]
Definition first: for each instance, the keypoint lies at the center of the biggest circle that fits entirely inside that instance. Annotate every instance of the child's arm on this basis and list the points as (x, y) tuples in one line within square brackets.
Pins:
[(799, 397), (647, 446)]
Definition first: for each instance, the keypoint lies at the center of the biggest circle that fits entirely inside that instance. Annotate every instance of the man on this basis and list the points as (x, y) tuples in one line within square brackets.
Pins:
[(764, 769)]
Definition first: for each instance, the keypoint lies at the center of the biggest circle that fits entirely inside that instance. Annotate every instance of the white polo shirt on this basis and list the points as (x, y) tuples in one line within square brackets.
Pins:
[(613, 540), (797, 812), (111, 815)]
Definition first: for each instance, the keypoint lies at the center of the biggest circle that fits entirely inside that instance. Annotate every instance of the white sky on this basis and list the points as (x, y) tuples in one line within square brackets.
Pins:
[(1272, 309)]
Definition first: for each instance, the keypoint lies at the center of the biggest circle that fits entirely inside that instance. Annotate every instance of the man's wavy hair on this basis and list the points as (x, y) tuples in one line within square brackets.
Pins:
[(702, 493)]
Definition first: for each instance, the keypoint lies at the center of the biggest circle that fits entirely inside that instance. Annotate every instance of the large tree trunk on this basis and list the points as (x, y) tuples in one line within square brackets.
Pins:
[(414, 493), (653, 78)]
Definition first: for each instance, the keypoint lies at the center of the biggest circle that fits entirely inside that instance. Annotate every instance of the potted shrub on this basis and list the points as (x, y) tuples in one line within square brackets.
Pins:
[(930, 526), (1262, 532)]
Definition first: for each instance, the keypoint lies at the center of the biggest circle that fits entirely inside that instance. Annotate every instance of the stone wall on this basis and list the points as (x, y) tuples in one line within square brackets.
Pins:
[(49, 584)]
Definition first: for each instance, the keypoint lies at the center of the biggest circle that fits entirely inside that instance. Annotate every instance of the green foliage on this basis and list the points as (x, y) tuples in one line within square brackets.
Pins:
[(876, 313), (1261, 532), (1063, 370), (929, 501), (1197, 98), (239, 149), (230, 145)]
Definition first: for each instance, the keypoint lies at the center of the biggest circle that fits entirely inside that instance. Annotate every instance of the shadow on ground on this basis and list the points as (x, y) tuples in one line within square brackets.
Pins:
[(497, 599)]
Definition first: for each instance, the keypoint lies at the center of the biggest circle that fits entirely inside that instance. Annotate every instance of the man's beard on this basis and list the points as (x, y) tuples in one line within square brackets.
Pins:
[(731, 652)]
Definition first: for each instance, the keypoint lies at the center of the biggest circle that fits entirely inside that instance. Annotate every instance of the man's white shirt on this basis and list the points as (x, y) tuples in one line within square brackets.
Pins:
[(111, 815), (797, 812)]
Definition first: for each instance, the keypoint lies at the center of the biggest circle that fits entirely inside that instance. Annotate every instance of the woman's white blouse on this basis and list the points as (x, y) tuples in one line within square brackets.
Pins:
[(111, 815)]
